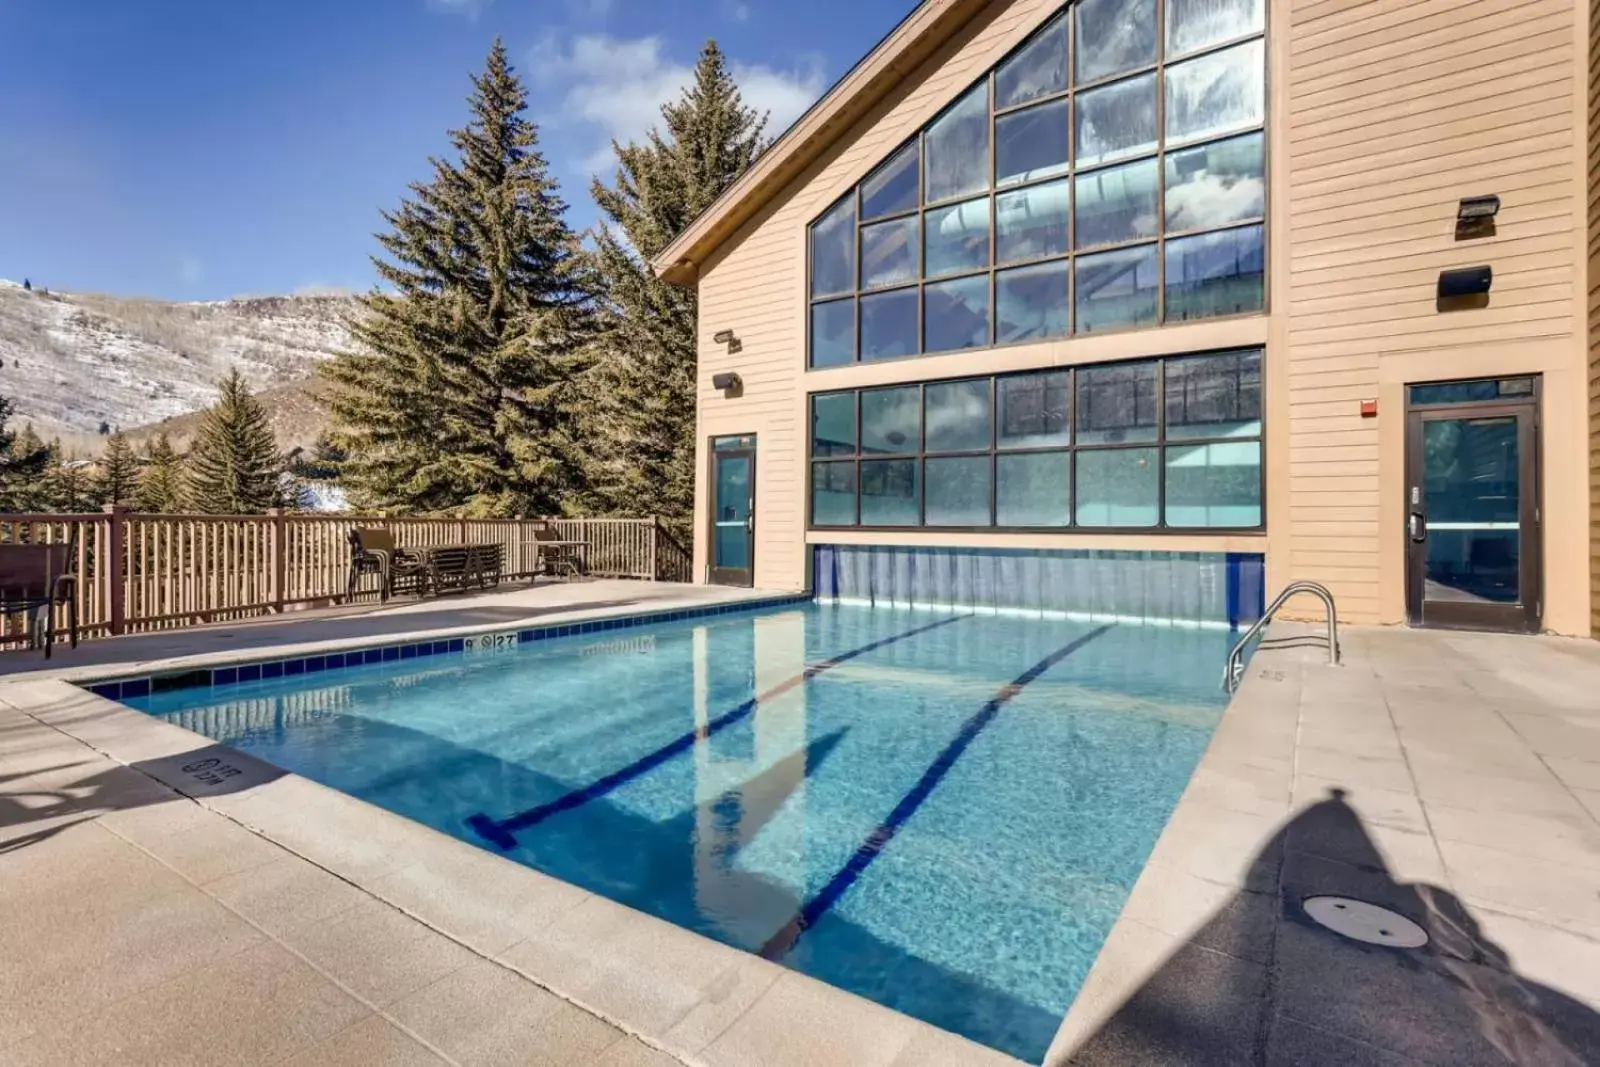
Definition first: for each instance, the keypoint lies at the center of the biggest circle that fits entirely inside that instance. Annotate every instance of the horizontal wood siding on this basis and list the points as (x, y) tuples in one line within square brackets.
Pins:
[(755, 286), (1593, 207), (1396, 109), (1384, 113)]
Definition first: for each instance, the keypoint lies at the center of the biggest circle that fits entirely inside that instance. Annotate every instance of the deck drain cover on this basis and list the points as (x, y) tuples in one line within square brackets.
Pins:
[(1366, 922)]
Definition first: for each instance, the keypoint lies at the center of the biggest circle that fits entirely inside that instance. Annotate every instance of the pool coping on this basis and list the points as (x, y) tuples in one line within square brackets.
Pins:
[(693, 998), (117, 681)]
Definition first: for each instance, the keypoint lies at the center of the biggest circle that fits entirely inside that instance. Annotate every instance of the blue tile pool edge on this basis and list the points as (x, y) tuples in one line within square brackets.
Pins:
[(123, 687)]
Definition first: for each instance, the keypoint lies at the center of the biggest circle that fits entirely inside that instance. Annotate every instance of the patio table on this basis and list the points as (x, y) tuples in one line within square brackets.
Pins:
[(579, 548)]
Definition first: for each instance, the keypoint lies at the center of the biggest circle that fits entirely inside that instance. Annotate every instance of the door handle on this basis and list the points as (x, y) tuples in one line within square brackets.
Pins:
[(1418, 527), (750, 521)]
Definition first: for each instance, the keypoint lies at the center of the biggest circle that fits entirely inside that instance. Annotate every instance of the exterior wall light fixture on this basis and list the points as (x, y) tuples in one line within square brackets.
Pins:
[(726, 337), (1475, 216), (1465, 282), (728, 382)]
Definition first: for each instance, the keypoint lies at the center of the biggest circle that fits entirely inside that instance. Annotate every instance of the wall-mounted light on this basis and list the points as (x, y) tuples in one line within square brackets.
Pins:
[(1475, 216), (1464, 289), (728, 382), (1478, 207), (726, 337), (1467, 281)]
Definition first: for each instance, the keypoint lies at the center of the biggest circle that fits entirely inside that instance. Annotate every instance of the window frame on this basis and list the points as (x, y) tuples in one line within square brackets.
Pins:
[(1159, 154), (1160, 444)]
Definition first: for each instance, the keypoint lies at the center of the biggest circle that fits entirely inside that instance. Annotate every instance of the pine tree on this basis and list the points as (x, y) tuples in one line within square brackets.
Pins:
[(233, 466), (160, 487), (66, 483), (29, 442), (23, 462), (644, 417), (119, 471), (464, 389)]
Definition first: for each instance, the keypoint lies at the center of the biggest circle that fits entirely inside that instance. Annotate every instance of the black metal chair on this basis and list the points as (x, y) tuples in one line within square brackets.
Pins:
[(555, 555), (36, 579), (373, 551)]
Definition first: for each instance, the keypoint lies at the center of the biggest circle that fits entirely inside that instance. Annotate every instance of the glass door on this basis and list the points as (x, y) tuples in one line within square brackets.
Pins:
[(733, 510), (1472, 516)]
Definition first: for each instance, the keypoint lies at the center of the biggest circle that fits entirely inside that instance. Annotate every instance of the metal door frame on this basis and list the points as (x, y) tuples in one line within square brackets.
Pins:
[(733, 576), (1524, 616)]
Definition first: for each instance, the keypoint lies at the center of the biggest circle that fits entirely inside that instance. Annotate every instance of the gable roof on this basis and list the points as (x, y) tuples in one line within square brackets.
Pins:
[(908, 45)]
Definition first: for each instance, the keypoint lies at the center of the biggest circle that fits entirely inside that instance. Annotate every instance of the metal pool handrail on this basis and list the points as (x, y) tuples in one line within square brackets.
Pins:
[(1234, 669)]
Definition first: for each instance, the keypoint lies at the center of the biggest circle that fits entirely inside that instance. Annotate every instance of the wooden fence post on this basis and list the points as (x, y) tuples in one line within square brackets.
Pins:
[(279, 550), (655, 538), (116, 568)]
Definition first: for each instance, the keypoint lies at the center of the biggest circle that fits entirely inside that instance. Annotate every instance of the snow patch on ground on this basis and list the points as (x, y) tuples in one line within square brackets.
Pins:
[(72, 362)]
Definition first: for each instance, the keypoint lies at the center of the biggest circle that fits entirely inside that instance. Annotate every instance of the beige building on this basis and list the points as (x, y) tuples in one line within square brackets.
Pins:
[(1148, 307)]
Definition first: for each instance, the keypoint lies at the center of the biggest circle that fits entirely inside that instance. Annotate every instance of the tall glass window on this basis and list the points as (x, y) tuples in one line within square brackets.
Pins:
[(1169, 443), (1108, 174)]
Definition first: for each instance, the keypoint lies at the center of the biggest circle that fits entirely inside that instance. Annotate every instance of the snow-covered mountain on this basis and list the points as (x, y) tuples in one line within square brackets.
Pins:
[(73, 361)]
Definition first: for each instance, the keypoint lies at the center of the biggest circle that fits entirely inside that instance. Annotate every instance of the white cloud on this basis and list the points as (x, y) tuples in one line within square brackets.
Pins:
[(736, 10), (617, 86), (322, 289), (190, 270)]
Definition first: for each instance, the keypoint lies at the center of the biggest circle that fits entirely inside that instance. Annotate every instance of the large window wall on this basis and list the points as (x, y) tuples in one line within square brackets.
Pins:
[(1108, 174), (1169, 443)]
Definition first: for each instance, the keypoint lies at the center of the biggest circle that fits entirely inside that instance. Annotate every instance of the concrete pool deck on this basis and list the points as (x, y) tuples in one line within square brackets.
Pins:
[(164, 899), (1451, 777), (539, 603)]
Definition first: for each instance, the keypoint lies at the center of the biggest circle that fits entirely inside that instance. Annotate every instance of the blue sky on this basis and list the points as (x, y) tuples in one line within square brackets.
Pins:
[(200, 149)]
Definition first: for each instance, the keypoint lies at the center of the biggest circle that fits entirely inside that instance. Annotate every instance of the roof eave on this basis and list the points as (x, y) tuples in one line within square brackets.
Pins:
[(908, 46)]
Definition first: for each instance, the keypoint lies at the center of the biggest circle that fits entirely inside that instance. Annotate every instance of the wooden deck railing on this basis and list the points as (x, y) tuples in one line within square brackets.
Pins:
[(149, 572)]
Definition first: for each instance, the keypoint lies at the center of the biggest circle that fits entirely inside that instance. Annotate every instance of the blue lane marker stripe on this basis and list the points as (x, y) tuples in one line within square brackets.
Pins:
[(501, 832), (815, 908)]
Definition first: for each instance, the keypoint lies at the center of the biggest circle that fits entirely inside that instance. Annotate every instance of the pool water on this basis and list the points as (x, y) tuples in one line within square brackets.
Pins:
[(943, 813)]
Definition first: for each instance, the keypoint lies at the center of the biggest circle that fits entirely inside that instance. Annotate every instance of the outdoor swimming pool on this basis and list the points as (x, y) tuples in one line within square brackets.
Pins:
[(943, 813)]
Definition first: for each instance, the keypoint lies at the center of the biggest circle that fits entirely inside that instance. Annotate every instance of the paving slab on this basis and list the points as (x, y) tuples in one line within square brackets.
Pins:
[(250, 1007), (374, 1040), (377, 951), (88, 920), (485, 1014)]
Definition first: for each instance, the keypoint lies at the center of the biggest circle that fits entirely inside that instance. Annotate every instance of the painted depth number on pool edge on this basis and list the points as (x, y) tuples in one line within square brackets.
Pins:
[(500, 642)]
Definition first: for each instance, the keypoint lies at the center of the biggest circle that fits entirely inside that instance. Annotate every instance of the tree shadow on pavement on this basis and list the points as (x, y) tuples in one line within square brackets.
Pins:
[(1262, 983), (39, 802)]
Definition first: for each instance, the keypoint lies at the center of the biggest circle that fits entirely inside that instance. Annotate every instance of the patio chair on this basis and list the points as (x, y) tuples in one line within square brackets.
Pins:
[(37, 578), (373, 551), (456, 567), (555, 556)]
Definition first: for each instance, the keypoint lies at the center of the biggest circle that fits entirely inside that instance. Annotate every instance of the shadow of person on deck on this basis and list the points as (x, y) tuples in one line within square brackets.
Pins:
[(1262, 983)]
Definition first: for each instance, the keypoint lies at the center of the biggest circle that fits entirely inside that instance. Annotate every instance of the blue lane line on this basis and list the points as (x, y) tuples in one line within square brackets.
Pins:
[(815, 908), (501, 832)]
